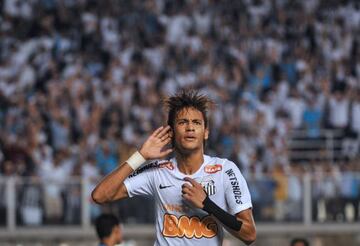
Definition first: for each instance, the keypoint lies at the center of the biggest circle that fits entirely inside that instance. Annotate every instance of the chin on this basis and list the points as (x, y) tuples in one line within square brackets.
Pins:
[(188, 149)]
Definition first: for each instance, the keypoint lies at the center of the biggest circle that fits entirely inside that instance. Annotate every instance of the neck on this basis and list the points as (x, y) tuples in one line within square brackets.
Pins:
[(189, 163)]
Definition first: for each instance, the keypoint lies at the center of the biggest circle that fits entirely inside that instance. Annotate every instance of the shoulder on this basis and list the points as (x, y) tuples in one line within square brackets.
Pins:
[(215, 164), (154, 166), (221, 161)]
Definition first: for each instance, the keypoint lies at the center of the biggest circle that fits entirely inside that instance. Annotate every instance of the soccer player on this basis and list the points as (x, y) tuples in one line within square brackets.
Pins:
[(196, 195)]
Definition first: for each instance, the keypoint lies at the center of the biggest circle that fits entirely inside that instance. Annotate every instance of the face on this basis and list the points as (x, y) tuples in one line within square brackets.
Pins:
[(117, 234), (299, 244), (189, 130)]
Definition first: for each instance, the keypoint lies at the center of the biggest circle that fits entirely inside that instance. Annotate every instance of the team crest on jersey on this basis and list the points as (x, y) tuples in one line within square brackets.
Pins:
[(209, 187), (213, 168), (169, 165)]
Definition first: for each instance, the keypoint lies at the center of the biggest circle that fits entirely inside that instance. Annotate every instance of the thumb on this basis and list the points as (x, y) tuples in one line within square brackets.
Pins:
[(166, 152)]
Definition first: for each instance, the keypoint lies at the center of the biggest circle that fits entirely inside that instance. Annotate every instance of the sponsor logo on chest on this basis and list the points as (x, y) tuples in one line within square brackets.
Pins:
[(189, 226), (213, 168)]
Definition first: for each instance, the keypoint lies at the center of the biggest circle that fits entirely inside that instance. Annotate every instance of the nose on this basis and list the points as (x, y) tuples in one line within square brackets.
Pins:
[(190, 127)]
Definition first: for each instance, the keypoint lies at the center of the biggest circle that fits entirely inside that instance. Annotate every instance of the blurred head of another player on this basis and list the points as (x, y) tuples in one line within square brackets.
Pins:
[(187, 117), (108, 230), (299, 242)]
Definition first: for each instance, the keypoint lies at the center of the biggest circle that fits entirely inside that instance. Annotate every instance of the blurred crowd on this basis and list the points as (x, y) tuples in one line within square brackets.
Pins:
[(81, 82)]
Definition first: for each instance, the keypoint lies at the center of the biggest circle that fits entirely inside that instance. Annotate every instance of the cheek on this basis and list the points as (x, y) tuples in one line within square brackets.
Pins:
[(176, 137), (178, 132), (119, 234)]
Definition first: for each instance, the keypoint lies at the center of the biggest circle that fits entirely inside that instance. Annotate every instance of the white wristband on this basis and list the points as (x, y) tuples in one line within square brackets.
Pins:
[(136, 160)]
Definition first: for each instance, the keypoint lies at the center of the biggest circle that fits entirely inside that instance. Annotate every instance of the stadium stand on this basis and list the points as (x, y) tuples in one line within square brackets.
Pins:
[(81, 81)]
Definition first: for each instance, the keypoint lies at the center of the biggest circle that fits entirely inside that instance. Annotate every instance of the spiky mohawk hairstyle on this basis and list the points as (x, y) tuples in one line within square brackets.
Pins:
[(187, 99)]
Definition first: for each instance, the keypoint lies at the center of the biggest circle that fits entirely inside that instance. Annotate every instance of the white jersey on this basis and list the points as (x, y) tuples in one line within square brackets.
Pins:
[(177, 223)]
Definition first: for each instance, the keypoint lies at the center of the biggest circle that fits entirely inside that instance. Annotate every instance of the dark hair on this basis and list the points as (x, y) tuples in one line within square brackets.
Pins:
[(299, 240), (104, 225), (187, 99)]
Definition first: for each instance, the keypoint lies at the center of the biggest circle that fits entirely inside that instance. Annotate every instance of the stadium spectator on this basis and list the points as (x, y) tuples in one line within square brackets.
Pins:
[(312, 118), (349, 189), (281, 192), (294, 203)]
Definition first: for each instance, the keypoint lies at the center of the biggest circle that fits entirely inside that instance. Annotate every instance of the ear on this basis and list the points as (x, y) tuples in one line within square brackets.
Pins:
[(206, 135)]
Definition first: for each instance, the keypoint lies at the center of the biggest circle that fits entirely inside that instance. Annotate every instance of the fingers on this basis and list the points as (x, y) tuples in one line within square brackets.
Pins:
[(157, 131), (186, 187), (163, 132), (166, 152), (192, 181), (193, 194), (167, 140), (186, 197), (187, 192)]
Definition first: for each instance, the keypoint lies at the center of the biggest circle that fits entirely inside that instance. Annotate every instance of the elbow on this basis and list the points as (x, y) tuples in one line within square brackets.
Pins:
[(250, 241), (96, 197), (250, 238)]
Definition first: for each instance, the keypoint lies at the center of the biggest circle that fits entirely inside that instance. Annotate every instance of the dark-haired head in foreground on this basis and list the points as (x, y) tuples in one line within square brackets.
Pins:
[(108, 229), (299, 242)]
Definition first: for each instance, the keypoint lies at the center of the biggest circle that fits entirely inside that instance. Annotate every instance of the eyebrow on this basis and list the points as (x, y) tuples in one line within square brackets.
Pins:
[(187, 120)]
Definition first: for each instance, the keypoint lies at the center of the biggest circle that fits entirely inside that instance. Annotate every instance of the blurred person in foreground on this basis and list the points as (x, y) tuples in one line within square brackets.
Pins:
[(299, 242), (196, 195), (108, 230)]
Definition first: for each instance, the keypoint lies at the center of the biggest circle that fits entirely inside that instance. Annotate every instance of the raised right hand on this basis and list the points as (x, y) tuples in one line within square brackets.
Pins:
[(153, 147)]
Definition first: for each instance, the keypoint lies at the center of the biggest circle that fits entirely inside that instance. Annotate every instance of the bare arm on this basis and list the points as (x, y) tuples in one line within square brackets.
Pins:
[(247, 233), (196, 195), (112, 188)]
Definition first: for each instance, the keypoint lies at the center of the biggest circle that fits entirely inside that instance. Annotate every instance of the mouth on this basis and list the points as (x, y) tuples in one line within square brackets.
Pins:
[(190, 138)]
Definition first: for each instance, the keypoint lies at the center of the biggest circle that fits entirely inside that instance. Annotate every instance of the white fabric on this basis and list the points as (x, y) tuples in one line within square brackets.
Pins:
[(162, 180), (339, 112), (295, 107), (355, 121), (136, 160)]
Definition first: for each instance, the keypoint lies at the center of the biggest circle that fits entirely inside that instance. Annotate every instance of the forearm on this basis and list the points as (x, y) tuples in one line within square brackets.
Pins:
[(247, 232), (109, 188), (224, 217), (241, 226), (112, 187)]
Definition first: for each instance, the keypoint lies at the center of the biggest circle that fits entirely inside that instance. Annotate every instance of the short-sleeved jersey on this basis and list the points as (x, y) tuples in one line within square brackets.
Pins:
[(178, 223)]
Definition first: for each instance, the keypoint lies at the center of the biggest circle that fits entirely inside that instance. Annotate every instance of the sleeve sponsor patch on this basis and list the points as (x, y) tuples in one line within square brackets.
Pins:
[(169, 165), (235, 185), (144, 168)]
